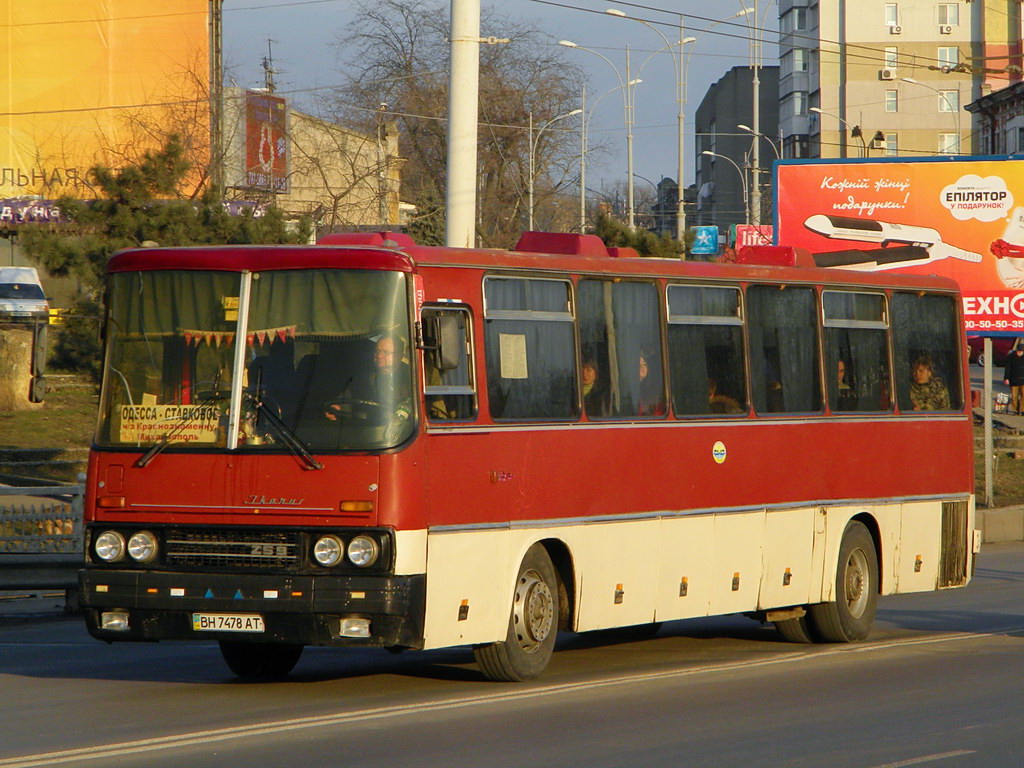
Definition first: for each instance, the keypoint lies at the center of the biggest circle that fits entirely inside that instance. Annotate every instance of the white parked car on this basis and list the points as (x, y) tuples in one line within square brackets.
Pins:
[(21, 295)]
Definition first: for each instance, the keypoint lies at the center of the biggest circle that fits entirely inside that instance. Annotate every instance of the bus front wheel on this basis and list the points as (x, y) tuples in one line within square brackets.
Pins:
[(850, 617), (262, 661), (532, 626)]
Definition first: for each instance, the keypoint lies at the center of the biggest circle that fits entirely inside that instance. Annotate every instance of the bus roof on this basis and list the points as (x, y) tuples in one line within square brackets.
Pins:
[(549, 252)]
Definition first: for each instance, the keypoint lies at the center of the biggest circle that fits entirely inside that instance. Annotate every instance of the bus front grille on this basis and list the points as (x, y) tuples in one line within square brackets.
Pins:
[(953, 557), (232, 548)]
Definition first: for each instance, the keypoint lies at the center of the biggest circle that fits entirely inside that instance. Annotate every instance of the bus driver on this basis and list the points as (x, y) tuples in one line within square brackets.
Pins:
[(382, 395)]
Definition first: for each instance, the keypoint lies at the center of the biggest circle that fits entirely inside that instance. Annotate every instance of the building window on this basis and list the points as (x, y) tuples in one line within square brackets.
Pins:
[(796, 146), (891, 146), (892, 14), (891, 57), (949, 101), (800, 59), (799, 103), (949, 57), (1020, 139), (948, 144), (949, 14), (795, 20), (891, 101)]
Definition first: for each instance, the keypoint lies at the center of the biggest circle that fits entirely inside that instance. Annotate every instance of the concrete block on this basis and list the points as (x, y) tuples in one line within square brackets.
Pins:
[(1002, 524)]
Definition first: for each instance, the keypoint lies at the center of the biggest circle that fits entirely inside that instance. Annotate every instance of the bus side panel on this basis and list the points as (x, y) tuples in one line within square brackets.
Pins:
[(788, 545), (736, 570), (619, 570), (470, 577), (917, 565), (684, 580)]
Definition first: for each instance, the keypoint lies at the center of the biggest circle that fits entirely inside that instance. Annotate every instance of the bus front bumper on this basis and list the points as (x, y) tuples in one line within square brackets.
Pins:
[(382, 611)]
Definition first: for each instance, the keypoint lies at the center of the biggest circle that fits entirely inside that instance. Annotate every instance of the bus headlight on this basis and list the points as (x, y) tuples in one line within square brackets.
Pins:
[(363, 551), (142, 547), (109, 546), (328, 551)]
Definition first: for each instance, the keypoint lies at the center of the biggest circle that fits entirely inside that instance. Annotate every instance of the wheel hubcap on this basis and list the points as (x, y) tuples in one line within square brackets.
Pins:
[(856, 583), (533, 611)]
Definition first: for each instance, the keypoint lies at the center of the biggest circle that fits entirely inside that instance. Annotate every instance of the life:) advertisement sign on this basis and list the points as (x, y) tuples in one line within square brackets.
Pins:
[(961, 218)]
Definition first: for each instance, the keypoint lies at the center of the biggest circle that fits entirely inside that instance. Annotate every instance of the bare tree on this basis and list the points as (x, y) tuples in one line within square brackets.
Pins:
[(398, 57)]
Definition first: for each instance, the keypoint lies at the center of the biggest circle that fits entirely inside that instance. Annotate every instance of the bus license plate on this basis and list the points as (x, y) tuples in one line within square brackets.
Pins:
[(227, 622)]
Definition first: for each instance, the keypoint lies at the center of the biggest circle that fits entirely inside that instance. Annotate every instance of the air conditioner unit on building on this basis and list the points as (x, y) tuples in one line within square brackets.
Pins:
[(945, 29), (895, 29), (887, 74)]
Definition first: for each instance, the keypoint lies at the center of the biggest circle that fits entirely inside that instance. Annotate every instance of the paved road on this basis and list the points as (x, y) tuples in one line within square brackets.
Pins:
[(939, 682)]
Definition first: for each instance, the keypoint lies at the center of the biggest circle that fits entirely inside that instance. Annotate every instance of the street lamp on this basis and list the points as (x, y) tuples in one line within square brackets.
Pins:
[(855, 130), (945, 98), (743, 176), (534, 140), (679, 64), (754, 31), (627, 107), (584, 145), (750, 130)]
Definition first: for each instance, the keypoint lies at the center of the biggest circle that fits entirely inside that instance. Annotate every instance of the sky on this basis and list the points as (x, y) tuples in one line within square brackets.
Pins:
[(303, 32)]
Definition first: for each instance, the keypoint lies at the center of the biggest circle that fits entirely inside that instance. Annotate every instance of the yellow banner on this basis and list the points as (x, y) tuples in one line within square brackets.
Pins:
[(86, 82)]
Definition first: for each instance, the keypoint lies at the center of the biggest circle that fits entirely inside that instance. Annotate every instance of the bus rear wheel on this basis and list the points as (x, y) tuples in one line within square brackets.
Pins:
[(532, 626), (850, 617), (260, 661), (796, 630)]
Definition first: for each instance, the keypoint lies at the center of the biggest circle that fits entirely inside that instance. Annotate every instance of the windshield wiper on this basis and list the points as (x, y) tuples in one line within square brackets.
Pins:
[(165, 438), (291, 440)]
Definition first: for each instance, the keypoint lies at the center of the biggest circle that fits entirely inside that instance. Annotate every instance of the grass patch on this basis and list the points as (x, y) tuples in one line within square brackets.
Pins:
[(1007, 472), (66, 420)]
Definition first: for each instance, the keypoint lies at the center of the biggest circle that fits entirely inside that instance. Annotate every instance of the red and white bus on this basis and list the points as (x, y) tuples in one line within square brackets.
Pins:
[(371, 443)]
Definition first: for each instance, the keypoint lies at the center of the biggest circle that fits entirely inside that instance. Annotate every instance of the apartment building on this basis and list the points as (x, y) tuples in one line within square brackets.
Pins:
[(874, 78)]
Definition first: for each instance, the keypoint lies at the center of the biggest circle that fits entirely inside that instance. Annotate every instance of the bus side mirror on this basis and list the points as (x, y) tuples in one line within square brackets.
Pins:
[(443, 339)]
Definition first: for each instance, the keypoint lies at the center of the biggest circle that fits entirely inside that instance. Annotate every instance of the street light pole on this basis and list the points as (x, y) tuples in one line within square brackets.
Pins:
[(748, 129), (743, 176), (534, 141), (945, 98), (855, 130), (627, 106), (679, 64)]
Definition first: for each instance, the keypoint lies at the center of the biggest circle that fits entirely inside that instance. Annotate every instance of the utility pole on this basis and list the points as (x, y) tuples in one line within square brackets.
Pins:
[(463, 102)]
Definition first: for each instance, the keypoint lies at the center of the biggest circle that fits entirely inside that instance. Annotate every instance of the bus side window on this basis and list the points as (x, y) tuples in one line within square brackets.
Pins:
[(856, 351), (783, 349), (705, 350), (926, 352), (530, 348), (448, 389), (620, 333)]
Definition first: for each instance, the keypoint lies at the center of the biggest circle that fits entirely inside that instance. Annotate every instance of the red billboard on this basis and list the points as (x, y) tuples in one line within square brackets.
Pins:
[(958, 217), (266, 142)]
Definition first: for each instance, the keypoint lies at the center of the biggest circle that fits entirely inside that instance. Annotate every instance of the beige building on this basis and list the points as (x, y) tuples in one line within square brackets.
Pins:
[(340, 177), (874, 78)]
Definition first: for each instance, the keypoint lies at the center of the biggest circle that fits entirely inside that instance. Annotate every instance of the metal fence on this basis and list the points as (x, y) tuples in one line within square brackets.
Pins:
[(40, 536)]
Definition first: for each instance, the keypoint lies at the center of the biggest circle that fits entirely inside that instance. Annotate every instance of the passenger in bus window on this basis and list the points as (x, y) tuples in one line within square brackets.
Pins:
[(437, 406), (651, 399), (927, 392), (721, 403), (382, 394), (847, 397), (595, 398)]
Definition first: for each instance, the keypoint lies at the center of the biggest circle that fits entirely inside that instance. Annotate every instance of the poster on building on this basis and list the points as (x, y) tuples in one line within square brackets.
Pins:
[(961, 218), (96, 82), (266, 142)]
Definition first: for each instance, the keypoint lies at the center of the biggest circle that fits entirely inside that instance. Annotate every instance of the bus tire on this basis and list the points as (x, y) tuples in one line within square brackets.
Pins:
[(850, 617), (260, 661), (796, 630), (532, 625)]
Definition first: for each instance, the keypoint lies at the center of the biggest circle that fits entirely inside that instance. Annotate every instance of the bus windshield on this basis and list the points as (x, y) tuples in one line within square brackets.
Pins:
[(317, 358)]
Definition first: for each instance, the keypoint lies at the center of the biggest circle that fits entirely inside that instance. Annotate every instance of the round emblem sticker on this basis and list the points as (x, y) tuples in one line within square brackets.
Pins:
[(718, 452)]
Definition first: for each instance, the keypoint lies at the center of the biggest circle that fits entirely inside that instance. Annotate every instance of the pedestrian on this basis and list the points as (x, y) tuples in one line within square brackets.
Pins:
[(1013, 377)]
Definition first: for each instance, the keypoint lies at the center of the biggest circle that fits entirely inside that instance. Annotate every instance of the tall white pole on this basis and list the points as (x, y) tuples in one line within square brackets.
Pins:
[(755, 157), (630, 94), (680, 102), (529, 185), (583, 162), (463, 95)]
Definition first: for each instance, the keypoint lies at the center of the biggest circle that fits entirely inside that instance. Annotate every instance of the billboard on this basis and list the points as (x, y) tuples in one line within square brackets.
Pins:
[(957, 217), (84, 82), (266, 142)]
